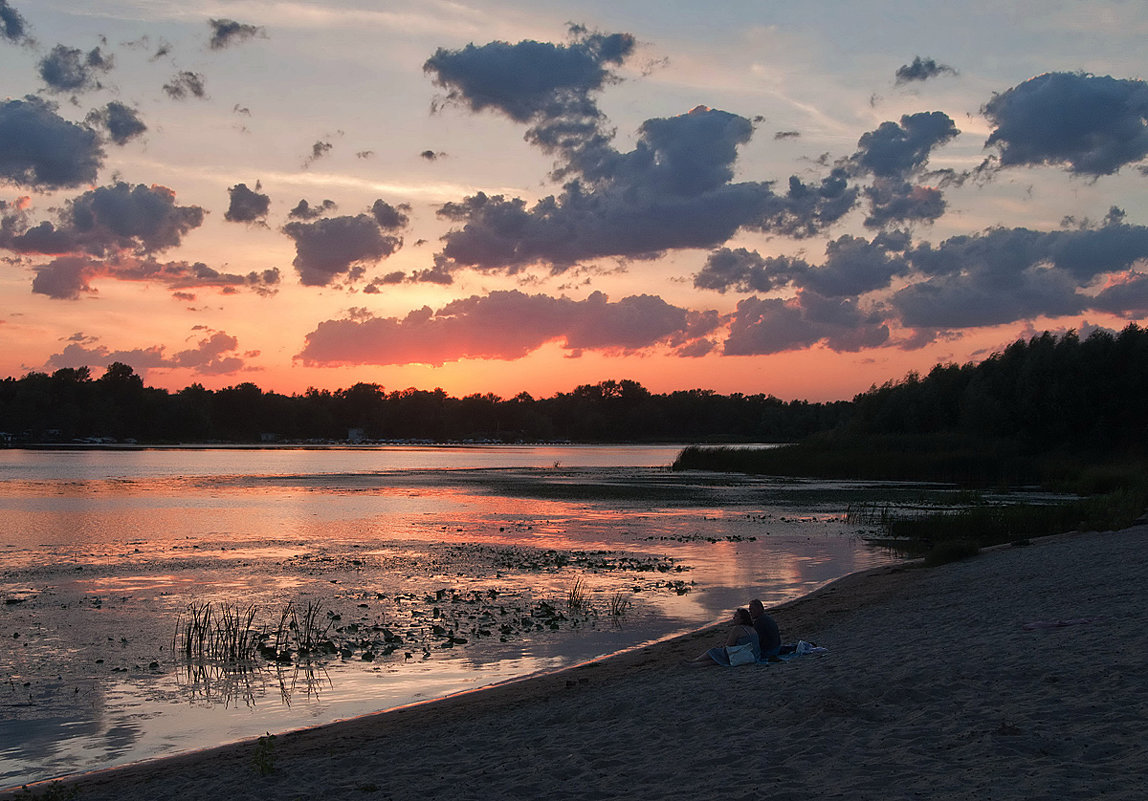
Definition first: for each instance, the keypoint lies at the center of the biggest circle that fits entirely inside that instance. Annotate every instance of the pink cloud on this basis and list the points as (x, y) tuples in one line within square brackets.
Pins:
[(505, 325)]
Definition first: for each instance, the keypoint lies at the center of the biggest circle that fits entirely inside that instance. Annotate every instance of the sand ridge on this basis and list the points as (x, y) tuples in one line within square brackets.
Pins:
[(936, 685)]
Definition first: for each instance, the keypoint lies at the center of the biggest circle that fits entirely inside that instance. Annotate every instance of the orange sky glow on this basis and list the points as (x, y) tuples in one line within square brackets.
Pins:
[(488, 198)]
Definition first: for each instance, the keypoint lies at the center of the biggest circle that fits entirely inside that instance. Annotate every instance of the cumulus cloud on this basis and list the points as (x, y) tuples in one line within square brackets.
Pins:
[(1126, 296), (674, 190), (895, 150), (113, 232), (748, 271), (40, 149), (318, 151), (1008, 274), (247, 205), (505, 325), (12, 24), (853, 266), (893, 154), (122, 122), (329, 248), (529, 78), (862, 287), (763, 326), (185, 84), (893, 202), (215, 354), (922, 69), (1093, 124), (68, 69), (305, 211), (390, 218), (70, 277), (226, 32), (108, 219)]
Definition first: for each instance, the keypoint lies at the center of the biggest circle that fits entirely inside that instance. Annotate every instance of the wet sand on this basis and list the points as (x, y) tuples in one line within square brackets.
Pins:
[(1017, 674)]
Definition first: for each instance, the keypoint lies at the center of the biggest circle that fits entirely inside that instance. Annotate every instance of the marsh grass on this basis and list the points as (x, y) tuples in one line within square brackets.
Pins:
[(619, 605), (226, 633), (219, 633), (303, 630), (578, 596)]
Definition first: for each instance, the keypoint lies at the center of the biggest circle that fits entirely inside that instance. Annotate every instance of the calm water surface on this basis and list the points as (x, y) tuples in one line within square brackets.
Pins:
[(102, 550)]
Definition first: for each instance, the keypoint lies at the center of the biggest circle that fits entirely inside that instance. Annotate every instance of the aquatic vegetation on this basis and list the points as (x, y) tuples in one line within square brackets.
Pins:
[(223, 633), (578, 596), (619, 604)]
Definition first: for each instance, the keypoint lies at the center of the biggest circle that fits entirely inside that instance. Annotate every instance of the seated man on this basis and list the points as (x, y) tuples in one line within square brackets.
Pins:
[(766, 628)]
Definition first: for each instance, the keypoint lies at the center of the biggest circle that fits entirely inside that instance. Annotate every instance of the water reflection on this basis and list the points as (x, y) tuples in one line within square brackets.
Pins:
[(456, 563), (208, 685)]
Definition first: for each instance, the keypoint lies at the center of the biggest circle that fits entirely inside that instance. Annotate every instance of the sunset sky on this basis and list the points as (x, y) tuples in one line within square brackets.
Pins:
[(800, 199)]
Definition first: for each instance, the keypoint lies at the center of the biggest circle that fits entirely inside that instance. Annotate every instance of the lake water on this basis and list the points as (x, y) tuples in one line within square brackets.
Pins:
[(434, 569)]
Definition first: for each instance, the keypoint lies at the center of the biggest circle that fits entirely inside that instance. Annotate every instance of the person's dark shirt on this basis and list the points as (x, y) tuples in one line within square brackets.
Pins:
[(768, 635)]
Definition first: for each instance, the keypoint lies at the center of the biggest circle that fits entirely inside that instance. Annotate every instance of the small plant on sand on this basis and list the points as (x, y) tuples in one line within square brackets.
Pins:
[(950, 551), (264, 756), (53, 792), (578, 596)]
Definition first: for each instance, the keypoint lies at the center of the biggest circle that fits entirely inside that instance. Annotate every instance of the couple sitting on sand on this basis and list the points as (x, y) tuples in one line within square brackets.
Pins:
[(754, 637)]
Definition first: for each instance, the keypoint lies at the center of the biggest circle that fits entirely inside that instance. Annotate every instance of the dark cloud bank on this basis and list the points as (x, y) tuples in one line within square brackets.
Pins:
[(676, 189)]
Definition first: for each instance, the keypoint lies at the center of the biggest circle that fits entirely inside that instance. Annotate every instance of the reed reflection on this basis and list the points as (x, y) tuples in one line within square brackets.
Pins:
[(248, 684)]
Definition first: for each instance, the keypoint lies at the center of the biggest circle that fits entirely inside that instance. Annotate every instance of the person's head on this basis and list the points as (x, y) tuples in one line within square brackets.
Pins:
[(742, 616), (756, 608)]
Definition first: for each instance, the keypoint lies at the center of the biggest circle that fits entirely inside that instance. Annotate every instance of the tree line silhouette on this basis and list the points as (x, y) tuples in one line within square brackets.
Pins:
[(69, 405), (1041, 395), (1045, 395), (1056, 411)]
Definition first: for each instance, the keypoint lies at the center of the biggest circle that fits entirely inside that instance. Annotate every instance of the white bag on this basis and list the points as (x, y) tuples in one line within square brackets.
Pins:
[(740, 654)]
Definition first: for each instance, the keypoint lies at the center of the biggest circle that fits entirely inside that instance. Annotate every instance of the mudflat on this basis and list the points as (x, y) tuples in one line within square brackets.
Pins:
[(1017, 674)]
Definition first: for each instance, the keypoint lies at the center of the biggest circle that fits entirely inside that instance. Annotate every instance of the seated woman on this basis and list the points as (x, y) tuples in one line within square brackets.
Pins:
[(740, 633)]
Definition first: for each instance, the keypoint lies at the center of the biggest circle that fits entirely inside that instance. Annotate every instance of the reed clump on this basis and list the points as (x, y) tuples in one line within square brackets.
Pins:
[(578, 596), (302, 630), (221, 632), (619, 605)]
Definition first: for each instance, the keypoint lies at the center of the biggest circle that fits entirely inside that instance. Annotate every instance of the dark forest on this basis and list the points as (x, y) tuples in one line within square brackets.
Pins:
[(1047, 394)]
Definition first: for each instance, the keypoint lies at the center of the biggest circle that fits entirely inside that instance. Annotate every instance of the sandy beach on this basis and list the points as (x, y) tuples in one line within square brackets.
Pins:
[(1017, 674)]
